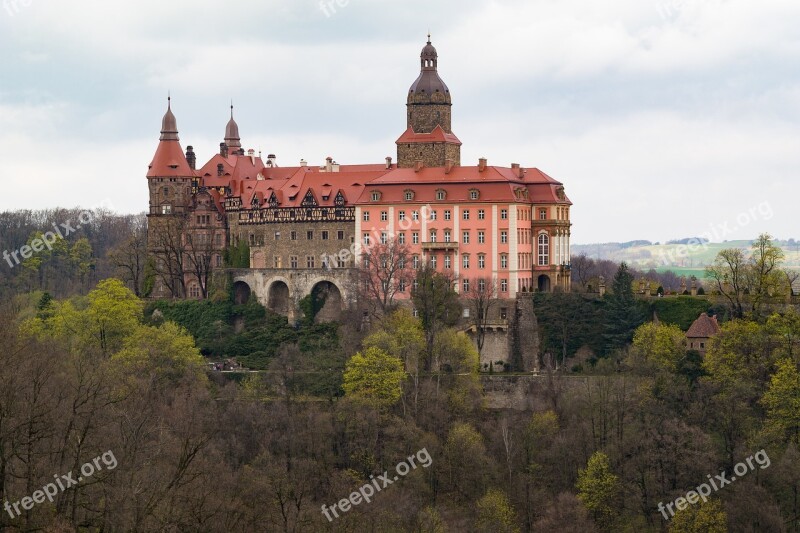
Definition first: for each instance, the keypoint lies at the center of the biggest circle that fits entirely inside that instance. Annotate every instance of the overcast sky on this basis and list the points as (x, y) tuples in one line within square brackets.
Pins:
[(664, 119)]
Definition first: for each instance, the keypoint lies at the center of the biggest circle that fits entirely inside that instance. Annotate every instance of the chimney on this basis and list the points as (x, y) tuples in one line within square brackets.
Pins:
[(519, 169), (223, 149), (481, 164), (220, 169), (271, 160), (418, 165), (328, 164), (190, 157), (388, 163), (303, 162), (448, 166)]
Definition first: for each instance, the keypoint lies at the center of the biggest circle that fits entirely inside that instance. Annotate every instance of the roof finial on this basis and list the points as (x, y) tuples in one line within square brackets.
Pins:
[(231, 107), (429, 36), (169, 99)]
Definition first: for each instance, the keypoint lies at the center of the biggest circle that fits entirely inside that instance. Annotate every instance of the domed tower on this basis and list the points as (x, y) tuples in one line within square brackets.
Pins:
[(428, 137)]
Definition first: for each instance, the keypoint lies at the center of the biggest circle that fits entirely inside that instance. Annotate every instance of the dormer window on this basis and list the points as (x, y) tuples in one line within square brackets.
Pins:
[(376, 196), (309, 200), (441, 194), (339, 201), (473, 194), (409, 195)]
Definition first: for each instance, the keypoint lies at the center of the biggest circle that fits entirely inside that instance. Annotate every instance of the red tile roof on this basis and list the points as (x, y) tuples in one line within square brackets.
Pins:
[(704, 327), (169, 161), (438, 135)]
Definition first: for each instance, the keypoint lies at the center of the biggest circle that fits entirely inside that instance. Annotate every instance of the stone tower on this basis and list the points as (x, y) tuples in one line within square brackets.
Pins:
[(428, 138), (170, 178)]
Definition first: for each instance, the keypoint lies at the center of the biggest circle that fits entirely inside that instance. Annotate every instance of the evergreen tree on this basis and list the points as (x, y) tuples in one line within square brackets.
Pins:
[(623, 313)]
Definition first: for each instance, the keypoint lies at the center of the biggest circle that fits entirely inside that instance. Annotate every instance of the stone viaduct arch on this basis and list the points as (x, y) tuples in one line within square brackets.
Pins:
[(281, 291)]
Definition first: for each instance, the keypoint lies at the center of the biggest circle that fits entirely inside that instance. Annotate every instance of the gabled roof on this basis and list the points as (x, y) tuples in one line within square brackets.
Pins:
[(704, 327), (438, 135)]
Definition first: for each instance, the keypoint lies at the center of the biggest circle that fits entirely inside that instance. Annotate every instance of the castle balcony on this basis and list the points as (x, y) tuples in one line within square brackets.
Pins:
[(447, 246)]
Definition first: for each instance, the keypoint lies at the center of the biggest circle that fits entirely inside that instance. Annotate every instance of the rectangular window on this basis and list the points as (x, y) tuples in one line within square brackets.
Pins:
[(401, 238), (447, 214), (504, 214), (415, 238), (414, 215), (401, 285), (504, 261), (542, 214), (465, 261), (447, 262), (384, 216), (433, 215), (433, 235), (481, 261), (324, 235), (465, 237), (310, 261), (433, 261), (503, 288), (415, 261), (293, 235), (465, 286), (218, 239), (401, 215), (447, 236), (465, 214), (366, 216), (481, 237), (384, 237), (166, 209), (481, 285), (310, 235), (340, 235), (481, 214), (366, 239), (276, 261), (503, 237), (503, 310), (293, 261)]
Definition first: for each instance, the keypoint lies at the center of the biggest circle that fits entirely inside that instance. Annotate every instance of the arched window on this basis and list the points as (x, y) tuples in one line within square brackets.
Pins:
[(544, 249)]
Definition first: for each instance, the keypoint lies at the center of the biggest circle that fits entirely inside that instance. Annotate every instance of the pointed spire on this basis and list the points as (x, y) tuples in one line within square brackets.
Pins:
[(232, 138), (169, 125)]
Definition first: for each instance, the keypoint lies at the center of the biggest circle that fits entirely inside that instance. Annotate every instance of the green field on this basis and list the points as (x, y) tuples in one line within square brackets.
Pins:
[(688, 260)]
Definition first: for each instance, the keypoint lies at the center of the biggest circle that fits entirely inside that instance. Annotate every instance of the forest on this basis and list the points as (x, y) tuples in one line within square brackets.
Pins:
[(618, 440)]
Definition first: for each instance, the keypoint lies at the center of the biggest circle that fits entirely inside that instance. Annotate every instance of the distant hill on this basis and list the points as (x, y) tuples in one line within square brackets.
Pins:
[(683, 256)]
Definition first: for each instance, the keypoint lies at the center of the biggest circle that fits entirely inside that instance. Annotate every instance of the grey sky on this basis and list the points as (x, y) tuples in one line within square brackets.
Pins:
[(662, 118)]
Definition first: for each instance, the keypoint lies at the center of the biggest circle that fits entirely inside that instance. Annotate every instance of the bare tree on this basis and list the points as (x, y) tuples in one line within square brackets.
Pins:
[(167, 247), (385, 271), (583, 269), (130, 256), (482, 297), (198, 255), (729, 273), (764, 275)]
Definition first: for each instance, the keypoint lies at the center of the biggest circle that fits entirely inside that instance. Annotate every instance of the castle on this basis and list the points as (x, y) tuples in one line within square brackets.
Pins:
[(306, 227)]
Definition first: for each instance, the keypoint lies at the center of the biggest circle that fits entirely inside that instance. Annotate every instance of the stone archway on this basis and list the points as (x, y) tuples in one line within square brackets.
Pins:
[(278, 299), (328, 299), (543, 283), (241, 293)]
